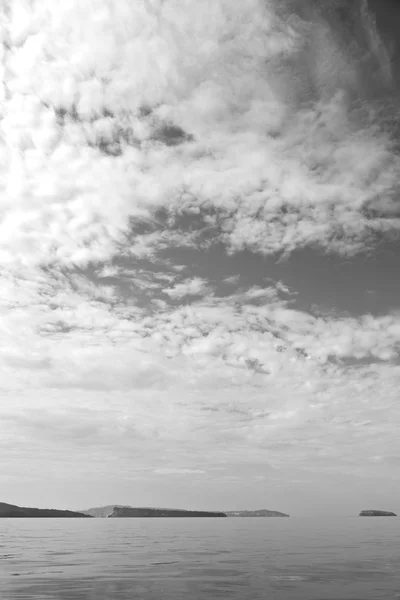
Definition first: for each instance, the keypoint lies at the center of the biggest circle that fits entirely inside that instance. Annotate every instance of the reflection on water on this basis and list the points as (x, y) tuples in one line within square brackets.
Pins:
[(281, 559)]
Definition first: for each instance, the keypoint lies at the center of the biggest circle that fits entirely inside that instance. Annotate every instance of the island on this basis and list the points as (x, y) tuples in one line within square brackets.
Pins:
[(125, 511), (101, 512), (8, 511), (376, 513), (255, 513)]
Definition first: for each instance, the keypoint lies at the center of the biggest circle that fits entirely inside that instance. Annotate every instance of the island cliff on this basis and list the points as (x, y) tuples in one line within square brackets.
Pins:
[(11, 510), (376, 513), (124, 511), (101, 512), (255, 513)]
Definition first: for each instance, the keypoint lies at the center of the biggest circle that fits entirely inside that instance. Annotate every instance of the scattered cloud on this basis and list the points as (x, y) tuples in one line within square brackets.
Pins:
[(142, 147), (189, 287), (245, 125), (232, 280)]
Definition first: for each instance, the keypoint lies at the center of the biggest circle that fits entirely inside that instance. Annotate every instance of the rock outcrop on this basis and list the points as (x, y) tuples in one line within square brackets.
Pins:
[(123, 511), (376, 513), (255, 513), (11, 510)]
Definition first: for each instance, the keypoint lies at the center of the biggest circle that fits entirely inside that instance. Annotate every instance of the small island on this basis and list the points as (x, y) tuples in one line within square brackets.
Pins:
[(8, 511), (126, 512), (263, 512), (376, 513)]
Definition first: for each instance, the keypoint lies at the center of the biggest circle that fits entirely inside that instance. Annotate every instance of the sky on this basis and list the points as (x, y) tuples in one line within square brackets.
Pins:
[(199, 249)]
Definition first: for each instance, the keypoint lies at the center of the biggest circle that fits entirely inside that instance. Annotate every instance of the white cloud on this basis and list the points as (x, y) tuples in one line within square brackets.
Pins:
[(84, 161), (136, 136), (108, 271), (189, 287), (232, 280)]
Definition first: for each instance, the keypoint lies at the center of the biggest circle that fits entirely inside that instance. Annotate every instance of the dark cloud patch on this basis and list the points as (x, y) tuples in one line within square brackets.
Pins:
[(254, 365), (171, 135), (63, 114)]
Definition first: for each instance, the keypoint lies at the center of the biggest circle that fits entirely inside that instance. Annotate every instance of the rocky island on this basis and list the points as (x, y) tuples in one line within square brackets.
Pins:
[(255, 513), (125, 511), (11, 510), (102, 512), (376, 513)]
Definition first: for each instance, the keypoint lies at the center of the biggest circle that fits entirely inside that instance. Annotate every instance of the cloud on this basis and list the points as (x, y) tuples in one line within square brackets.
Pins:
[(239, 117), (144, 147), (189, 287), (232, 280), (108, 271)]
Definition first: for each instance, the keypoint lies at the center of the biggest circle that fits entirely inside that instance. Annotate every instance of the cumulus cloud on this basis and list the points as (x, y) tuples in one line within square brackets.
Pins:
[(190, 287), (145, 145), (244, 111)]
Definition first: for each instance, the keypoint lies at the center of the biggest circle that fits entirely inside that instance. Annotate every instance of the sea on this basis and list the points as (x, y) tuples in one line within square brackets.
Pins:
[(348, 558)]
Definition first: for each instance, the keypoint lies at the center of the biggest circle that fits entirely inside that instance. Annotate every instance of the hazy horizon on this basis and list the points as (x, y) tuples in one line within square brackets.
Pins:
[(322, 506), (199, 254)]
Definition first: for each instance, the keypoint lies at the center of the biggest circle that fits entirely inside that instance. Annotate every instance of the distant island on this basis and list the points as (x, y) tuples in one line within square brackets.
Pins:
[(126, 512), (376, 513), (12, 511), (255, 513), (101, 512)]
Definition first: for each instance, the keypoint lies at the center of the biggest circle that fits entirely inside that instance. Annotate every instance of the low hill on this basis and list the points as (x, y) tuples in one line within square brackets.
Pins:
[(255, 513), (11, 511), (124, 511)]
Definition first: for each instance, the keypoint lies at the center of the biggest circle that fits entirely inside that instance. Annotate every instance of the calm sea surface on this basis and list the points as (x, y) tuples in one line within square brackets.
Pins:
[(281, 559)]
